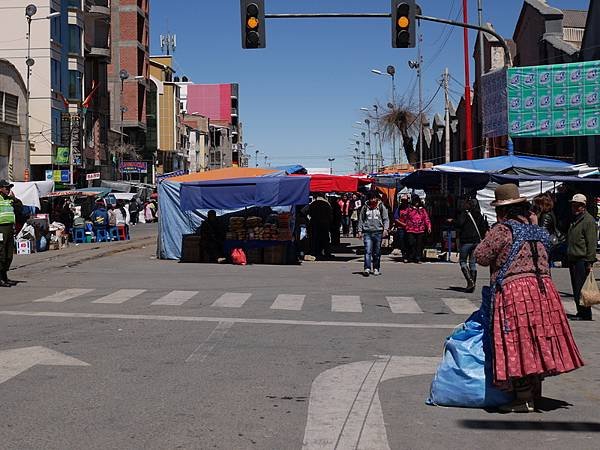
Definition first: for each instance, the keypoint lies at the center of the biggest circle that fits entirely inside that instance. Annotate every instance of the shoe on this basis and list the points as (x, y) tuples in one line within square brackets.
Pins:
[(367, 272), (578, 318), (470, 284), (376, 273), (517, 406), (5, 284)]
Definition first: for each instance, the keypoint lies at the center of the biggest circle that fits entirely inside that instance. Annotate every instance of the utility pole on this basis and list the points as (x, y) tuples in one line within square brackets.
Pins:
[(420, 75), (447, 117), (481, 72)]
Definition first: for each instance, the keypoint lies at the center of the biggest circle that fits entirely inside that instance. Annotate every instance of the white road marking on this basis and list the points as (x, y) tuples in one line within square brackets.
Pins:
[(460, 305), (15, 361), (120, 296), (345, 303), (289, 302), (63, 296), (404, 305), (175, 298), (231, 300), (203, 350), (226, 319), (344, 409)]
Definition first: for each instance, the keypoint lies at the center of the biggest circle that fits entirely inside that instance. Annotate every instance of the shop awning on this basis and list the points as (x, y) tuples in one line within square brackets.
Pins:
[(423, 179), (239, 193), (336, 183), (223, 174)]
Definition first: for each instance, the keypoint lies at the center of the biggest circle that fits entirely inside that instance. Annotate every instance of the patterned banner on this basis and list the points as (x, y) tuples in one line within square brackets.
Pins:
[(495, 115), (555, 100)]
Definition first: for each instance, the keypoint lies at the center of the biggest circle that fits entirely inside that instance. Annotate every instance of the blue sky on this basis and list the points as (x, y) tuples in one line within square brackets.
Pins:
[(301, 96)]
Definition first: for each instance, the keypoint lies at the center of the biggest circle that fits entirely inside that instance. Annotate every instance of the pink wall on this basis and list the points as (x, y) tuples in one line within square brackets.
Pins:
[(210, 100)]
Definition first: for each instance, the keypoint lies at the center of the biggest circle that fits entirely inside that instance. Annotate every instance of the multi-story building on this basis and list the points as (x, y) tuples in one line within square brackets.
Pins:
[(198, 130), (12, 119), (71, 52), (218, 102), (164, 114), (130, 53)]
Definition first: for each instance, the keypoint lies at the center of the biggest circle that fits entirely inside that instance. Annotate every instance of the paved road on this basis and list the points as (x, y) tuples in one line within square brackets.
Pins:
[(164, 355)]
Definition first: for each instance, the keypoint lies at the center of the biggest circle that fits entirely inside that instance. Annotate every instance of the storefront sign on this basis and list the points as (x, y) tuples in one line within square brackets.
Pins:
[(76, 139), (62, 155), (65, 129), (133, 167), (59, 176), (92, 176), (164, 176), (554, 100)]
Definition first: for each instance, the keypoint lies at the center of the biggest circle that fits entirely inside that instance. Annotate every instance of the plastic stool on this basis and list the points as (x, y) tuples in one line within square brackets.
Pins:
[(123, 236), (102, 235), (78, 235), (114, 234)]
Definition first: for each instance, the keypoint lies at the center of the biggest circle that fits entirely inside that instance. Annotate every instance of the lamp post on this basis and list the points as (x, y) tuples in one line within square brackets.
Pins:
[(417, 65), (123, 75), (30, 11), (331, 160), (391, 72), (256, 152)]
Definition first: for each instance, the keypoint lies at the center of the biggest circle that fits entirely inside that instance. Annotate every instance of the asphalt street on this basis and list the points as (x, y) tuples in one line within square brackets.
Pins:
[(123, 351)]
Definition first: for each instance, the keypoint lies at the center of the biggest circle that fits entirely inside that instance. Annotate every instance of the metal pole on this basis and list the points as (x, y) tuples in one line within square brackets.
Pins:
[(468, 115), (420, 75), (447, 117), (27, 174), (481, 72), (394, 131), (368, 122)]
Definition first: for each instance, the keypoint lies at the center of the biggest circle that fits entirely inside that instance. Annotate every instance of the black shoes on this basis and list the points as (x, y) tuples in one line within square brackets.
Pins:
[(468, 276), (577, 318)]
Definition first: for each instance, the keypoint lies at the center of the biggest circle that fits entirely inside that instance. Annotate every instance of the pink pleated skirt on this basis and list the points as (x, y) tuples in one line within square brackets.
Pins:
[(531, 332)]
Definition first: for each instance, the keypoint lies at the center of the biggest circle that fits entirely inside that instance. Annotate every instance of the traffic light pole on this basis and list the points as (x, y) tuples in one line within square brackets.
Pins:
[(507, 60)]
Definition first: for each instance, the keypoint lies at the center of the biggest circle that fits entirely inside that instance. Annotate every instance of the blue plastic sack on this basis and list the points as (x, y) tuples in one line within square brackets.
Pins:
[(464, 377)]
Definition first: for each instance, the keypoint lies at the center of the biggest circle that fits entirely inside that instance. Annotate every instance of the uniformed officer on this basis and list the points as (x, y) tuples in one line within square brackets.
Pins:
[(8, 202)]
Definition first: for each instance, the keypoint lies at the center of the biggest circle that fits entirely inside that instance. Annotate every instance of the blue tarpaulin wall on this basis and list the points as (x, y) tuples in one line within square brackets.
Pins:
[(175, 221)]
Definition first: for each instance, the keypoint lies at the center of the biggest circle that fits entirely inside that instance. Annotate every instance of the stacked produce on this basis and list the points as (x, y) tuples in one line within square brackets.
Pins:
[(237, 229), (283, 232)]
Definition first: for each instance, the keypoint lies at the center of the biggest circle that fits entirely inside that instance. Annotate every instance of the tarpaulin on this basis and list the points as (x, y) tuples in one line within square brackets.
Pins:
[(335, 183), (223, 174), (245, 192), (30, 192)]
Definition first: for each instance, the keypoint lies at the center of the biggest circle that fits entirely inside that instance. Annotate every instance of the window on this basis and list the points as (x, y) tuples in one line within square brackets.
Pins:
[(74, 85), (74, 39), (11, 109), (56, 129), (55, 81), (55, 27)]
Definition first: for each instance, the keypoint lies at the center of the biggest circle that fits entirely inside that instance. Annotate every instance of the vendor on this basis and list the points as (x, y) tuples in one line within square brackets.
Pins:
[(212, 237)]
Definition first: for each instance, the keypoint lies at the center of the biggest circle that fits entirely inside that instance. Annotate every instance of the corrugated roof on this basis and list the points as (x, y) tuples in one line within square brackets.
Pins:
[(574, 18)]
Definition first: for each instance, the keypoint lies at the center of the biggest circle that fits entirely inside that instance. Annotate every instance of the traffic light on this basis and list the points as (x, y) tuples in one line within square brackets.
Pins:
[(253, 23), (403, 23)]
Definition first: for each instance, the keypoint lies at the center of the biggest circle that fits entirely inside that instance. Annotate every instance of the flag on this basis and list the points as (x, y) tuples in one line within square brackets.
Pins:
[(86, 103)]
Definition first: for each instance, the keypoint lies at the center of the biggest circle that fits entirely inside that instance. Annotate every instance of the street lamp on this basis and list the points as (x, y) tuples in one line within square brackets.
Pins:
[(256, 152), (331, 160), (416, 65), (391, 72), (30, 11)]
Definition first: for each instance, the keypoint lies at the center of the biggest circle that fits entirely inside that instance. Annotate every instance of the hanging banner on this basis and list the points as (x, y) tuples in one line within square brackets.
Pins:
[(494, 106), (554, 100), (75, 142), (62, 155)]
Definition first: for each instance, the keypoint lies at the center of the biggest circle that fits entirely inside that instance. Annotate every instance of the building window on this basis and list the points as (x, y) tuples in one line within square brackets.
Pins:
[(9, 108), (55, 27), (74, 39), (75, 3), (75, 85), (56, 128), (55, 75)]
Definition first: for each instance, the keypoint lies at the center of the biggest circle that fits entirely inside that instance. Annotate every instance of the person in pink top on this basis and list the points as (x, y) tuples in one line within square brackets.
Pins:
[(345, 206), (415, 221)]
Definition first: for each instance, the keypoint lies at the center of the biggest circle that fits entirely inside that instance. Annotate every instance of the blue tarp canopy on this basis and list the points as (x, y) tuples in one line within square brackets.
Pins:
[(293, 169), (245, 192), (423, 179), (508, 163)]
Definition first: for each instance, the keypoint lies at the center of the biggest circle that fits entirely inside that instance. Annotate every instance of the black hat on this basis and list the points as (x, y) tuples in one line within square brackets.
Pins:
[(6, 184)]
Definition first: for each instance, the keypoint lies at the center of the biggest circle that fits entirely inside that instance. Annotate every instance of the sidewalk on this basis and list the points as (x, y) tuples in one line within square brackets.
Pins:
[(141, 235)]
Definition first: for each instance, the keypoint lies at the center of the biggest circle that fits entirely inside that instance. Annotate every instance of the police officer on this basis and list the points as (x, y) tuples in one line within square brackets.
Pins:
[(8, 206)]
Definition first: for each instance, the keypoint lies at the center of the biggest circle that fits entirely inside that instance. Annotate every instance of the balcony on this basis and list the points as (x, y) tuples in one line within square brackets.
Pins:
[(234, 91), (99, 52), (234, 112)]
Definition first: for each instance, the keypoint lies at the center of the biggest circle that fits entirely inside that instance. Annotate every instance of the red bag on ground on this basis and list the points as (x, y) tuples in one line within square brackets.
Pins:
[(238, 257)]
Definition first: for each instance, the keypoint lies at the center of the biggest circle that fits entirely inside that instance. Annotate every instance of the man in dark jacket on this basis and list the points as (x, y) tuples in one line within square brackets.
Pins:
[(471, 227), (321, 219), (581, 251)]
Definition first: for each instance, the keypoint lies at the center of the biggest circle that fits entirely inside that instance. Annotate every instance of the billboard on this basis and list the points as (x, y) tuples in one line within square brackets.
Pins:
[(495, 115), (554, 100), (133, 167)]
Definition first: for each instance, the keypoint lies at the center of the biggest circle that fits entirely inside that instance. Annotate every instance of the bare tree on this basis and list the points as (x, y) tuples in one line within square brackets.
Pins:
[(401, 120)]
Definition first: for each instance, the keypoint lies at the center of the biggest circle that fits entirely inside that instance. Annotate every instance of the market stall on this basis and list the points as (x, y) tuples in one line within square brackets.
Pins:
[(336, 183)]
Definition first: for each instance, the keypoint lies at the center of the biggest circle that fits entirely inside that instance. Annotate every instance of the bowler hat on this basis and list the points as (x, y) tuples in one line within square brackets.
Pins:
[(6, 184), (579, 198), (507, 194)]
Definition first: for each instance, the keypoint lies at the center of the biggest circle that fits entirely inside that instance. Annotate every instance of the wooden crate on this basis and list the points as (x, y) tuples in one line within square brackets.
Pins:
[(190, 249), (275, 254)]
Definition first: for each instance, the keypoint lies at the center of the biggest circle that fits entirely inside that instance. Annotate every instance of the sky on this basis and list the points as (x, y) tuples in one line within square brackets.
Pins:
[(300, 97)]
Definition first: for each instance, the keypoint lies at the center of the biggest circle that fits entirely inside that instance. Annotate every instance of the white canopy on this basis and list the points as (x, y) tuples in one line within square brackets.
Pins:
[(29, 193)]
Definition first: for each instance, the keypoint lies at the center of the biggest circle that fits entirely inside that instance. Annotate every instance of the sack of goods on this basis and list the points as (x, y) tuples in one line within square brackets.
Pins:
[(237, 229), (253, 222)]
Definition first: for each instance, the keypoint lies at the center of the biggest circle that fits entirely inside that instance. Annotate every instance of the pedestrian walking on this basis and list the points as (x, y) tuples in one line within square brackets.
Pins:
[(399, 232), (344, 205), (531, 337), (321, 218), (471, 227), (134, 211), (336, 224), (356, 205), (373, 227), (581, 251), (415, 221), (10, 208)]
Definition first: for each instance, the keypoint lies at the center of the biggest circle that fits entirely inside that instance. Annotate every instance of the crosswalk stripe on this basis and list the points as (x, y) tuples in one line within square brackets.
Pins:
[(175, 298), (65, 295), (120, 296), (404, 305), (460, 305), (345, 303), (289, 302), (231, 300)]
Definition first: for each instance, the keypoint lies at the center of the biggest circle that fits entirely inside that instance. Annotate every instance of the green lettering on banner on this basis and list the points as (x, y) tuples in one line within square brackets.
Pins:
[(554, 100), (62, 155)]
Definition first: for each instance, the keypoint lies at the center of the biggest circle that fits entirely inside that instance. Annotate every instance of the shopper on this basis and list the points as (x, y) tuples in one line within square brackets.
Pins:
[(581, 251), (399, 242), (415, 221), (531, 337), (134, 211), (471, 227), (99, 217), (336, 224), (344, 205), (321, 218), (356, 205), (373, 226), (10, 209)]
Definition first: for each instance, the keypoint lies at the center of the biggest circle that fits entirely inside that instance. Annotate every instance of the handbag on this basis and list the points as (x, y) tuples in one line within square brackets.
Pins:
[(590, 294)]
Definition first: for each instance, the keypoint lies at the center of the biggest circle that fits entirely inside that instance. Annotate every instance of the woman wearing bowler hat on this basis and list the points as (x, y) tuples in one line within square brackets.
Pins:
[(530, 332)]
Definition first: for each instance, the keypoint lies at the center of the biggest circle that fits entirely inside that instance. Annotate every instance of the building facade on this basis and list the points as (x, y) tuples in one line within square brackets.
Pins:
[(12, 116)]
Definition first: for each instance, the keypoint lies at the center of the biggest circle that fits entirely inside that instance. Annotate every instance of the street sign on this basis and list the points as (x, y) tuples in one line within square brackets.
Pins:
[(92, 176)]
